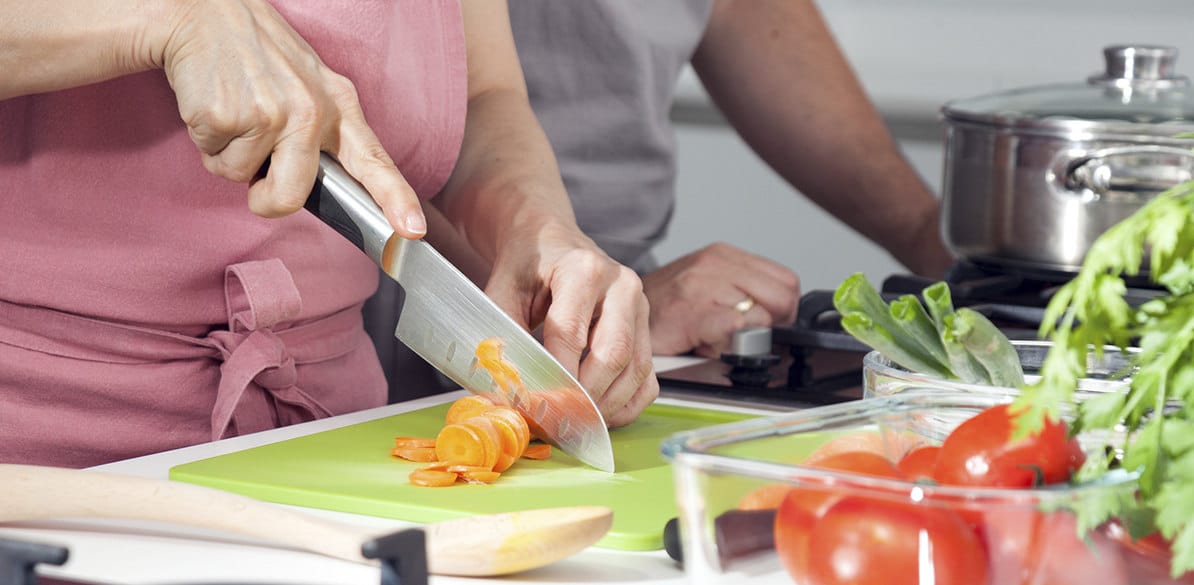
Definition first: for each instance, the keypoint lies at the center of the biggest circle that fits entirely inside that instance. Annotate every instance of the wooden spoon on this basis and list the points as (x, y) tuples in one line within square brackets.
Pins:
[(487, 545)]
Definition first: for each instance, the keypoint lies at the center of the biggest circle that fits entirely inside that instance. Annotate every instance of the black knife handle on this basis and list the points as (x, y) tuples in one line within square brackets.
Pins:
[(328, 209), (738, 533)]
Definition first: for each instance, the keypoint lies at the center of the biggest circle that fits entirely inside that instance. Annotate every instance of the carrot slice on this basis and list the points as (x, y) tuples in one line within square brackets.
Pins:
[(467, 406), (537, 451), (480, 476), (491, 438), (766, 497), (504, 374), (422, 454), (513, 428), (464, 468), (414, 442), (432, 477), (504, 462), (460, 444)]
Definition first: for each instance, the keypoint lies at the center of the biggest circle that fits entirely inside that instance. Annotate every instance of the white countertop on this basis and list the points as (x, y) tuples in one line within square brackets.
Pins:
[(127, 552)]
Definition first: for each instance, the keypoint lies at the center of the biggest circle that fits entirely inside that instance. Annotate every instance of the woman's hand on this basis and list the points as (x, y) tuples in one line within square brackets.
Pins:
[(558, 277), (693, 299), (249, 88)]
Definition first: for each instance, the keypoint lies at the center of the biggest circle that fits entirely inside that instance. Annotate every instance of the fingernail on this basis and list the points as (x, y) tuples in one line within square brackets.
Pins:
[(415, 223)]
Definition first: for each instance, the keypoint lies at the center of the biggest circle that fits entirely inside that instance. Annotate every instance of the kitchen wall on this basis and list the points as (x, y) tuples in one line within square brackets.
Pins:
[(912, 56)]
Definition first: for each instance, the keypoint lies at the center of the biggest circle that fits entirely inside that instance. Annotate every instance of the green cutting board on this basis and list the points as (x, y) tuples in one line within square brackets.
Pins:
[(350, 469)]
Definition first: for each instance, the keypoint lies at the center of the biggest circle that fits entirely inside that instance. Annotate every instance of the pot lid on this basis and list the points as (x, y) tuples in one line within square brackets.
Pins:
[(1139, 93)]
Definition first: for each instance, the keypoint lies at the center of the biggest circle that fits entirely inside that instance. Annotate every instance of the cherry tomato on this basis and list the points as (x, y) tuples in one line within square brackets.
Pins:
[(919, 464), (1026, 545), (865, 540), (1148, 558), (803, 505), (980, 452)]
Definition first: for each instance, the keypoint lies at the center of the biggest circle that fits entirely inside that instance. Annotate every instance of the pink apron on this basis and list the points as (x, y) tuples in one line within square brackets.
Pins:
[(143, 307)]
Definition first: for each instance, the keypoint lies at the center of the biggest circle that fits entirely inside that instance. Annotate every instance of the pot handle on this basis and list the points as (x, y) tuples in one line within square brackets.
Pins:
[(1127, 173)]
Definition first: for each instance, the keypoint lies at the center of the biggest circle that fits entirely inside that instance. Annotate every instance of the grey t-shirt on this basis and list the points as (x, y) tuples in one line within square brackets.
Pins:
[(601, 74)]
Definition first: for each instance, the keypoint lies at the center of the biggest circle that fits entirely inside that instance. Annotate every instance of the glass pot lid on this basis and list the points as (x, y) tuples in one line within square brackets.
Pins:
[(1139, 93)]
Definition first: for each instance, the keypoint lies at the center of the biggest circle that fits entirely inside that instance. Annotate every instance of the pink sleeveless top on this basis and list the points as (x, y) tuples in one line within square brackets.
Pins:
[(143, 307)]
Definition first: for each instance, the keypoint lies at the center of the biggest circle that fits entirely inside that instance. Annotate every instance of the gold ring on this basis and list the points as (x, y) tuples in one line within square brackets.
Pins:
[(745, 305)]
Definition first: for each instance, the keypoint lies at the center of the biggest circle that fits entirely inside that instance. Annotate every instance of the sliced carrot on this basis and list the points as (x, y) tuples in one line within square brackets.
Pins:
[(533, 408), (504, 462), (464, 468), (467, 406), (767, 497), (491, 438), (437, 466), (422, 454), (460, 444), (480, 476), (504, 374), (537, 451), (414, 442), (513, 428), (432, 477)]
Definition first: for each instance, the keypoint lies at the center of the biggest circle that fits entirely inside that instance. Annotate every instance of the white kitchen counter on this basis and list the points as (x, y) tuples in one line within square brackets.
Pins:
[(127, 552)]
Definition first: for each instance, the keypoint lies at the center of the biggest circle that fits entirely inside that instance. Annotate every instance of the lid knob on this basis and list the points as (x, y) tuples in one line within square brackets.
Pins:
[(1139, 65)]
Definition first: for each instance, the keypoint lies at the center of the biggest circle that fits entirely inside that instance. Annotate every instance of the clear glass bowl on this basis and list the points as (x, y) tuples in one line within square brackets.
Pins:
[(1106, 373), (721, 470)]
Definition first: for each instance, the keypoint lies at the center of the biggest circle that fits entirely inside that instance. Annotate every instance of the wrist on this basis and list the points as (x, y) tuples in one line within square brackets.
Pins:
[(158, 24)]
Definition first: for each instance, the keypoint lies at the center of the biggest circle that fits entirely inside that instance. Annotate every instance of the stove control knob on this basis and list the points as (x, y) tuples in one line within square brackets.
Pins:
[(750, 357), (751, 341)]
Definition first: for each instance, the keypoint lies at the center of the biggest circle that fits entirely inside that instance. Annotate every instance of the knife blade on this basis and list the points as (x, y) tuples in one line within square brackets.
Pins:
[(445, 316)]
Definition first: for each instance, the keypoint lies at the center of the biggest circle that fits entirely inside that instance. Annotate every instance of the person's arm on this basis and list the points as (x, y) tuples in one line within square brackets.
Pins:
[(776, 72), (248, 87), (506, 196)]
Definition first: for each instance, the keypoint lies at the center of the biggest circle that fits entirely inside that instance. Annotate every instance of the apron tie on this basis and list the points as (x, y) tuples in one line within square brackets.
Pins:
[(257, 388), (258, 355)]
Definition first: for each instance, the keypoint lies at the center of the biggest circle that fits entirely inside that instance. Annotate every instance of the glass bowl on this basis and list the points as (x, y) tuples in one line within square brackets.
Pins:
[(1007, 536), (1108, 372)]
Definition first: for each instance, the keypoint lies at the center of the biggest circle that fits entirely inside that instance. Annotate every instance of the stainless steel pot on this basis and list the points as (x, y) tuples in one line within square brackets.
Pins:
[(1034, 175)]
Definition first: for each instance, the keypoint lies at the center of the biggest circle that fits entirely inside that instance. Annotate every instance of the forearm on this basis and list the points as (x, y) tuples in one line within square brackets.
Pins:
[(59, 44), (774, 69), (506, 183)]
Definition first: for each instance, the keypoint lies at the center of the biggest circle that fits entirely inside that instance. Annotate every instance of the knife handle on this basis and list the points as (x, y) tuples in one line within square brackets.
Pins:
[(342, 203)]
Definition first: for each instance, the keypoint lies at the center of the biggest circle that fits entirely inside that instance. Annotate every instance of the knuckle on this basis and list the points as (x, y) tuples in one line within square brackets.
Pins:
[(719, 248), (644, 368), (374, 155), (305, 115), (617, 352), (342, 90), (571, 332)]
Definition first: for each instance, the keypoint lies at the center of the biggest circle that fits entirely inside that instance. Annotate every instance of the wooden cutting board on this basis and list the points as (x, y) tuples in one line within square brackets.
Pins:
[(350, 469)]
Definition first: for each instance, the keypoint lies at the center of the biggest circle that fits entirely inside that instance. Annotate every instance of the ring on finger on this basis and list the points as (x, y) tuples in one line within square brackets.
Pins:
[(745, 305)]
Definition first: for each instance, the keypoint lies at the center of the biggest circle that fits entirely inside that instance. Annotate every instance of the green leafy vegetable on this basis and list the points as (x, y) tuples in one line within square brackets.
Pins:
[(1156, 414), (929, 337)]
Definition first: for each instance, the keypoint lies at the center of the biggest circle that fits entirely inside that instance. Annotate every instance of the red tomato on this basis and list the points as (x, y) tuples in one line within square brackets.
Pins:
[(1027, 546), (865, 541), (920, 463), (980, 452), (803, 505), (1148, 558)]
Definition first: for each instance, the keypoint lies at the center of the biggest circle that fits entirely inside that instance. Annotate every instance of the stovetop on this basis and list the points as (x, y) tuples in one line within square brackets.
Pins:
[(814, 362)]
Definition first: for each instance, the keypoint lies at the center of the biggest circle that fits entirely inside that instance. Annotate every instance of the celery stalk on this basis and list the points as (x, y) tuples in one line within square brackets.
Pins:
[(989, 347), (910, 315), (882, 339)]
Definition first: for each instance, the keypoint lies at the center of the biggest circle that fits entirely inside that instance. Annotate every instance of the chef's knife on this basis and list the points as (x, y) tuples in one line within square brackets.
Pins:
[(445, 316)]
